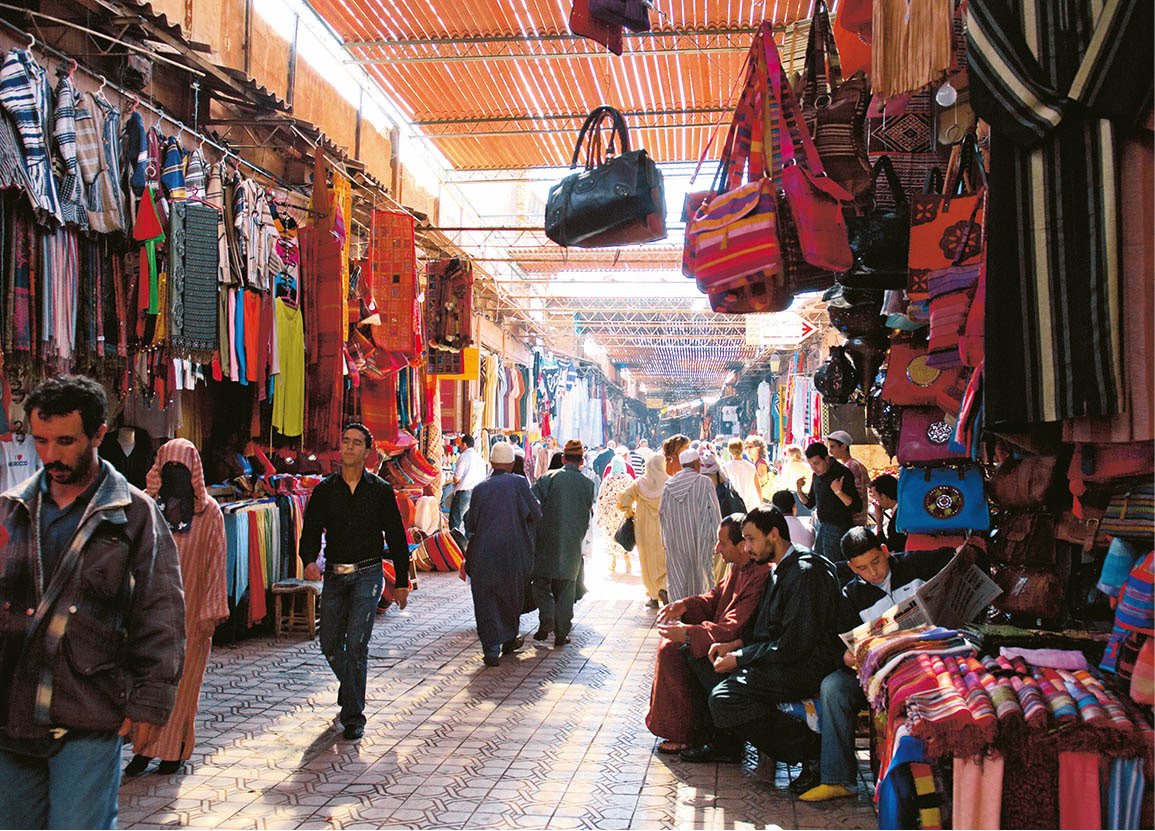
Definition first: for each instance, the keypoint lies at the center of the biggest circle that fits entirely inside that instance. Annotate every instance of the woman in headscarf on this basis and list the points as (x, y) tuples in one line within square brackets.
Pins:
[(177, 483), (641, 500), (607, 514)]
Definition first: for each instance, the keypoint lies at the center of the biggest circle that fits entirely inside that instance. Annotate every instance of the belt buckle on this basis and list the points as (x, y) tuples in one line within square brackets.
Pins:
[(343, 568)]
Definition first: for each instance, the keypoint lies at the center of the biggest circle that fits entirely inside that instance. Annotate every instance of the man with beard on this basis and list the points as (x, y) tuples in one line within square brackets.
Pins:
[(92, 633)]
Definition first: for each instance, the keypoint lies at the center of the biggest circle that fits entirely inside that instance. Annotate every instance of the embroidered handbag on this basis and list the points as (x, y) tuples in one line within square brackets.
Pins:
[(952, 292), (630, 14), (941, 500), (911, 382), (617, 200), (582, 23), (880, 240), (625, 536), (939, 222), (835, 112), (925, 438)]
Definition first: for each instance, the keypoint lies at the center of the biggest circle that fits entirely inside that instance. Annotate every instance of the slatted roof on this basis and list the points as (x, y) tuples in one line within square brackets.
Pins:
[(503, 84)]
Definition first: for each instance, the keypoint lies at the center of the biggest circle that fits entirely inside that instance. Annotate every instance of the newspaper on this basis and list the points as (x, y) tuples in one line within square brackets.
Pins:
[(954, 596)]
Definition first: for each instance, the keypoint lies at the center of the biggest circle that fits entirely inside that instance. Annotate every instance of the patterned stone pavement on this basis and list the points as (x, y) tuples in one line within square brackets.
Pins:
[(553, 738)]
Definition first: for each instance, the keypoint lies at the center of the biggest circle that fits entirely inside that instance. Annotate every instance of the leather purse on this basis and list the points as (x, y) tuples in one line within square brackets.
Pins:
[(925, 438), (1025, 538), (616, 200), (880, 240), (835, 112), (1024, 483), (582, 23), (941, 500), (940, 222), (1029, 591), (911, 382), (630, 14), (836, 379)]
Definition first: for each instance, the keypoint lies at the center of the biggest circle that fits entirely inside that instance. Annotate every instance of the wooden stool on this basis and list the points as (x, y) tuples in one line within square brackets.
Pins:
[(299, 615)]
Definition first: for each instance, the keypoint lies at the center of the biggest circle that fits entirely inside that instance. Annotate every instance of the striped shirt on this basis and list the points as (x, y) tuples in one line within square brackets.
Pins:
[(24, 93)]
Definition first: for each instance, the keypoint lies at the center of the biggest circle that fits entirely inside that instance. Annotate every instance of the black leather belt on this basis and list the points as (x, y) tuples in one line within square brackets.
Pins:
[(349, 568)]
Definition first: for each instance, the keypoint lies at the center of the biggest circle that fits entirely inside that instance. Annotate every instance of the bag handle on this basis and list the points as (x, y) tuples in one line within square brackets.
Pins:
[(934, 181), (823, 68), (886, 166), (595, 118), (784, 104)]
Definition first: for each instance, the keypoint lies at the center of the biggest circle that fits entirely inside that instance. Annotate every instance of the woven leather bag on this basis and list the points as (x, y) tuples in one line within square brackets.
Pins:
[(1025, 483), (835, 112)]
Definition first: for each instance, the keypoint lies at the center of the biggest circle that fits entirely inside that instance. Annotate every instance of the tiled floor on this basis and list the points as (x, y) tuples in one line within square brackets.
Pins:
[(552, 738)]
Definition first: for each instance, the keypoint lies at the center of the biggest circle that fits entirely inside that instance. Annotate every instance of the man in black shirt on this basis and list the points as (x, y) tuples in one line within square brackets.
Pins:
[(837, 499), (358, 513)]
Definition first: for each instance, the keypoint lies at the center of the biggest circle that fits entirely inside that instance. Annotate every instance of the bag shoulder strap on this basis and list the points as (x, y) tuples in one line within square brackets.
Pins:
[(593, 120), (885, 166)]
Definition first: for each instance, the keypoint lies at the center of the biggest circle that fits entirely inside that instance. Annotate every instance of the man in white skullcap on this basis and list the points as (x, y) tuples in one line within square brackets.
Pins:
[(689, 516)]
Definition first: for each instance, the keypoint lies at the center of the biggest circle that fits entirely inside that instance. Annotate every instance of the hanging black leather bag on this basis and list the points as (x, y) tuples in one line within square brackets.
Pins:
[(632, 14), (617, 200), (880, 240)]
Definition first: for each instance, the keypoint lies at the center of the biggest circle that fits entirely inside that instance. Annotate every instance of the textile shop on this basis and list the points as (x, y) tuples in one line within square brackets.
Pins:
[(993, 324), (216, 302)]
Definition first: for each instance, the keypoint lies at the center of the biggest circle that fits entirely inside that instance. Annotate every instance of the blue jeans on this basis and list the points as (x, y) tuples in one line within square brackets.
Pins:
[(458, 508), (348, 608), (828, 541), (75, 787), (842, 698)]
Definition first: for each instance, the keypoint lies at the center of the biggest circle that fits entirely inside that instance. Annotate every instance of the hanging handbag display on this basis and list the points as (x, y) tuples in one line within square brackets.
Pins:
[(835, 112), (925, 438), (731, 246), (626, 535), (941, 500), (630, 14), (952, 293), (939, 222), (880, 240), (836, 379), (1025, 483), (617, 200), (584, 24), (1130, 515)]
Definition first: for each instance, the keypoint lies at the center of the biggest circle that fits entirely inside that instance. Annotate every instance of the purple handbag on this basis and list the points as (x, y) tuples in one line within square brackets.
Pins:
[(632, 14), (925, 438)]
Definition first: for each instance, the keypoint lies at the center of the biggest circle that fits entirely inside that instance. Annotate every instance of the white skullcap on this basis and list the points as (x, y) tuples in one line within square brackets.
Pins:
[(501, 453), (688, 456)]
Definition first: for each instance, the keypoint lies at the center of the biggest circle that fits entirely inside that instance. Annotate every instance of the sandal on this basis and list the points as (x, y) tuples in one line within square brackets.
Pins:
[(669, 748)]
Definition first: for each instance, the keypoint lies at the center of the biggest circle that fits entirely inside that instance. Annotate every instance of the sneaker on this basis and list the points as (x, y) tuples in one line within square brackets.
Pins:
[(511, 646), (354, 731)]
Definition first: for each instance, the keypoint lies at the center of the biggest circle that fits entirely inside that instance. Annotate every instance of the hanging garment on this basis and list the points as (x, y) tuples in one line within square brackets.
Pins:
[(13, 173), (25, 94), (1053, 224), (321, 305), (98, 148), (911, 45), (192, 285), (72, 204), (289, 395)]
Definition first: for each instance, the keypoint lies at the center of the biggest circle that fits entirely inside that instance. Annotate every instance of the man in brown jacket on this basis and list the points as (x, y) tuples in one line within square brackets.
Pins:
[(91, 620)]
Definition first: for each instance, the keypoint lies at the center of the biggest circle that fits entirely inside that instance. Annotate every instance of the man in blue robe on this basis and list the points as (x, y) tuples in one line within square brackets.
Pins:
[(499, 559)]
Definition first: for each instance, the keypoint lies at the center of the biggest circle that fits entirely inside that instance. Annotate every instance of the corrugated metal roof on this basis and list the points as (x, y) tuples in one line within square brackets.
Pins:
[(504, 85)]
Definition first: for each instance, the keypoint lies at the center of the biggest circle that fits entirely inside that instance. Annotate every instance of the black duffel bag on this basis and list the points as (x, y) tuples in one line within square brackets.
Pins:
[(616, 200)]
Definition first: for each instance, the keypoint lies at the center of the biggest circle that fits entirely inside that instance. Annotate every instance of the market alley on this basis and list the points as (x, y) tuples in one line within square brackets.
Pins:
[(554, 738)]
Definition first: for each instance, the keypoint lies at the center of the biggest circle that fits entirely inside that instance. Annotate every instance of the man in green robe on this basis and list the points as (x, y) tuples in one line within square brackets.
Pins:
[(567, 500)]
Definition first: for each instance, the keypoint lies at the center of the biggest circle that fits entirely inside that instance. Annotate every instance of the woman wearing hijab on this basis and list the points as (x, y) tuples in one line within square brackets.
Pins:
[(607, 514), (177, 483), (641, 499)]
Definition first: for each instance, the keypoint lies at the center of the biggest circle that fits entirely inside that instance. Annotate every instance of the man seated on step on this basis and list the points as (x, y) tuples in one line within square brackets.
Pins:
[(793, 645), (881, 580)]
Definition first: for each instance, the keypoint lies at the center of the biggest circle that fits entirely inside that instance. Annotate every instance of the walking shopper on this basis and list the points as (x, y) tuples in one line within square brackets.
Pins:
[(833, 493), (85, 663), (468, 474), (609, 516), (357, 511), (567, 500), (502, 520), (743, 475), (756, 454), (672, 449), (641, 499), (177, 482), (839, 443), (689, 517)]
